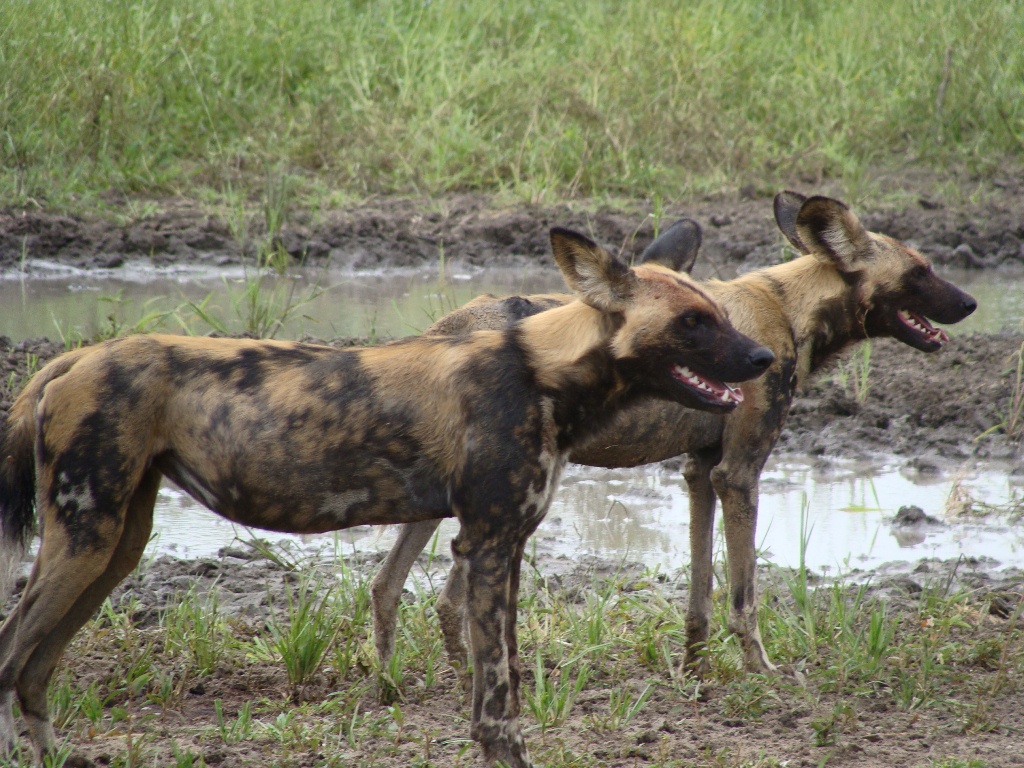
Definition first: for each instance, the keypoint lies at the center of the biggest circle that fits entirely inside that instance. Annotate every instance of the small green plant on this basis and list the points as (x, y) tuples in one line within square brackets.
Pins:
[(195, 626), (441, 300), (56, 760), (554, 692), (302, 641), (237, 730), (828, 729), (800, 625), (853, 376), (71, 336), (959, 762), (276, 194), (115, 323), (185, 758), (750, 697), (623, 706), (1011, 418), (262, 301)]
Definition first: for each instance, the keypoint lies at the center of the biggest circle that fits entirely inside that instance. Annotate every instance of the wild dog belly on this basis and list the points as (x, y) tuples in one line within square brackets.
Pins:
[(310, 497), (300, 471)]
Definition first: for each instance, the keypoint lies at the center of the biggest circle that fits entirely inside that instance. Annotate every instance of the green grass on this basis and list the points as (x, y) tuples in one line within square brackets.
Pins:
[(600, 655), (541, 100)]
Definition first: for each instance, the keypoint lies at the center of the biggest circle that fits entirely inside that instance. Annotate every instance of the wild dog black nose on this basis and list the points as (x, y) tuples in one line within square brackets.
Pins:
[(969, 304), (761, 358)]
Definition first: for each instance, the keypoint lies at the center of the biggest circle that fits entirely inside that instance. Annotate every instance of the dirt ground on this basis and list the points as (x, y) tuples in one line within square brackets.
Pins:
[(738, 231), (932, 410)]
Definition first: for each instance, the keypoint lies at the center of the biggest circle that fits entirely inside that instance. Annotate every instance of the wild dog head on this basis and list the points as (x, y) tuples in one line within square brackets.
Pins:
[(669, 338), (897, 291)]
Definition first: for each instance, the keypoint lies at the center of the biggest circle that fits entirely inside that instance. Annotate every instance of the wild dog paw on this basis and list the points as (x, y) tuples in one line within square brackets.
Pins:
[(794, 673)]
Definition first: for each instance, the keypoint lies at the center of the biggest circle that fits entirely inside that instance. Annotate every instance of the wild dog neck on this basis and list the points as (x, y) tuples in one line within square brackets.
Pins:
[(825, 310), (569, 352)]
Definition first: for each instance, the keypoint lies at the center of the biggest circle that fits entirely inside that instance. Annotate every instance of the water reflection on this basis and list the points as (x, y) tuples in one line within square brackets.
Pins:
[(638, 514), (641, 514), (397, 303)]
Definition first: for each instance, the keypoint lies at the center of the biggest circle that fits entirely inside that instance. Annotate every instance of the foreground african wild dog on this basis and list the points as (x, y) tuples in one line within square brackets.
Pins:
[(849, 285), (303, 438), (676, 248)]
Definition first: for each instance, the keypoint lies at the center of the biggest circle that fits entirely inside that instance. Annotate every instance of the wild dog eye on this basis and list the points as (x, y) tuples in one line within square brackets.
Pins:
[(691, 320)]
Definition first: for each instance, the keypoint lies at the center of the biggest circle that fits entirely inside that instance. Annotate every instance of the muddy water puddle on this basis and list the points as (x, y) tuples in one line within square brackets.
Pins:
[(64, 302), (844, 512), (78, 304)]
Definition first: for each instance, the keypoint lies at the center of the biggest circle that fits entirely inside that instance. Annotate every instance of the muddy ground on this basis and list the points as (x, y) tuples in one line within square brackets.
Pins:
[(934, 411), (738, 230)]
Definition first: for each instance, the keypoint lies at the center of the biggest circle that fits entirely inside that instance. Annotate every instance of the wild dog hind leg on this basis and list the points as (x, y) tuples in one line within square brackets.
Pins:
[(60, 578), (35, 675)]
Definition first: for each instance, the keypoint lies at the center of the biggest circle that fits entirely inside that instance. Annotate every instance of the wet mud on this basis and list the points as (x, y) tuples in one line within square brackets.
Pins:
[(400, 232)]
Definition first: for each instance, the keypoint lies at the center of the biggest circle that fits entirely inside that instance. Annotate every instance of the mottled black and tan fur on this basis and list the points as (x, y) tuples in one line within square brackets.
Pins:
[(849, 285), (305, 438)]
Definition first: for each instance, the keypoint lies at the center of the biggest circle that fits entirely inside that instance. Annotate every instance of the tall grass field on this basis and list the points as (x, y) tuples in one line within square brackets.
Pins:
[(536, 99)]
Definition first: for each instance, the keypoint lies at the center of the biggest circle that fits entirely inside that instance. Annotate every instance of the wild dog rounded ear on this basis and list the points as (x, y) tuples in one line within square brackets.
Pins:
[(676, 248), (600, 280), (832, 232), (787, 206)]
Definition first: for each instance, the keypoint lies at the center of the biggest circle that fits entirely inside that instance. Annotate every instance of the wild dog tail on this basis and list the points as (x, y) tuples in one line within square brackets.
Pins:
[(18, 471)]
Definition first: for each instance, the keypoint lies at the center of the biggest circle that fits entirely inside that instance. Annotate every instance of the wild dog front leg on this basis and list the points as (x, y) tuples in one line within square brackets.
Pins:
[(495, 723), (737, 487), (697, 473), (389, 581), (386, 590)]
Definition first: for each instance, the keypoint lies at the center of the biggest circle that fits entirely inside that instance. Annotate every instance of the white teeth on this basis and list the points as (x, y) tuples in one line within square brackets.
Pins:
[(909, 319), (729, 395), (690, 376)]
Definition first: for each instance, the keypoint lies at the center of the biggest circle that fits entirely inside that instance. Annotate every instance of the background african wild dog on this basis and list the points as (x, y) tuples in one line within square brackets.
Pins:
[(305, 438), (849, 285)]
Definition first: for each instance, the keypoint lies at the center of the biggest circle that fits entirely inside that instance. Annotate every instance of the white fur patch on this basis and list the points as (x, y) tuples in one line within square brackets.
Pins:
[(338, 504), (80, 495)]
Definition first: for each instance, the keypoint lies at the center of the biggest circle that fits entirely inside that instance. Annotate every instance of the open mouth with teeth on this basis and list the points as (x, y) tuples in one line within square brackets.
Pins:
[(710, 391), (922, 331)]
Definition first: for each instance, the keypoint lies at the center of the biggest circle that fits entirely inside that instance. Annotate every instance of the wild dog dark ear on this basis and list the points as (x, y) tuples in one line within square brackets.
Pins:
[(831, 231), (676, 247), (600, 280), (787, 206)]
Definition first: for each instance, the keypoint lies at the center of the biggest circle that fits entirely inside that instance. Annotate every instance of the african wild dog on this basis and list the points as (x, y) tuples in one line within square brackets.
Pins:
[(849, 285), (676, 248), (304, 438)]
